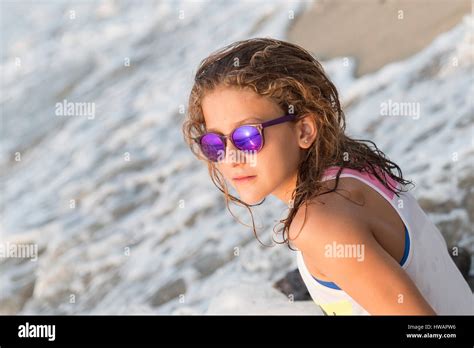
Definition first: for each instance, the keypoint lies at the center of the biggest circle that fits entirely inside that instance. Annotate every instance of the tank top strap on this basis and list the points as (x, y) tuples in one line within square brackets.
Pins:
[(331, 173)]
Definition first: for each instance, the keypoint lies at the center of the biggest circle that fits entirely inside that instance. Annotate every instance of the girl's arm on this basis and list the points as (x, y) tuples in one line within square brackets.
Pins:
[(372, 277)]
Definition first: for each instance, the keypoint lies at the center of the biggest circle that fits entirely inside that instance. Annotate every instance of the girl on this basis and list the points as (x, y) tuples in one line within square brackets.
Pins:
[(266, 119)]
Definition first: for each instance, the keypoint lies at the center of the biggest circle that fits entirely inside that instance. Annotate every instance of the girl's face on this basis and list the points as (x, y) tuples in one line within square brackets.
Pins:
[(273, 169)]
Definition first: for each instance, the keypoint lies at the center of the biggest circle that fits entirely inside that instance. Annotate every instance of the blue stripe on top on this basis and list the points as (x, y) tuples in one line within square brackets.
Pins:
[(407, 248), (402, 262)]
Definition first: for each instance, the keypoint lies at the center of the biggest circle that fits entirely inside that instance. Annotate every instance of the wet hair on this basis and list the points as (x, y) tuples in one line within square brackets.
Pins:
[(291, 77)]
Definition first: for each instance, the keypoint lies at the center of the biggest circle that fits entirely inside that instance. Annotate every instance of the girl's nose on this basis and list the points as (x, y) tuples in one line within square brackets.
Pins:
[(233, 155)]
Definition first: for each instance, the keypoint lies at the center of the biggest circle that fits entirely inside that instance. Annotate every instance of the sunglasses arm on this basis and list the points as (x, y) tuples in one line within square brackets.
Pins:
[(289, 117)]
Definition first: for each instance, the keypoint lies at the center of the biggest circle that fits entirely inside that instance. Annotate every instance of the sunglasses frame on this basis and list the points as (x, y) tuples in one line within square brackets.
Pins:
[(260, 127)]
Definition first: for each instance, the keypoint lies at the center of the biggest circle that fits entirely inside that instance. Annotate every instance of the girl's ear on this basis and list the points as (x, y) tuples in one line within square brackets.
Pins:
[(306, 131)]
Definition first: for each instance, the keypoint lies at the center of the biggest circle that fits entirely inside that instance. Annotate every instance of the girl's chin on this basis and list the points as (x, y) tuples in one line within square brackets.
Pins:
[(250, 199)]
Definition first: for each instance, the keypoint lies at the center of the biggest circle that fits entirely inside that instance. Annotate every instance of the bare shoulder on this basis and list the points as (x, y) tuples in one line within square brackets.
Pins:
[(325, 219)]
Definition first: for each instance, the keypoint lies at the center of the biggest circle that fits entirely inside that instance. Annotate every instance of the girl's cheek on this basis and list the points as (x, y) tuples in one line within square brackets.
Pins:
[(227, 172), (223, 170)]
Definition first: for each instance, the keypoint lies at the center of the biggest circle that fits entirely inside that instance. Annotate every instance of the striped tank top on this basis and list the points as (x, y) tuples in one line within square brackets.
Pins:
[(426, 259)]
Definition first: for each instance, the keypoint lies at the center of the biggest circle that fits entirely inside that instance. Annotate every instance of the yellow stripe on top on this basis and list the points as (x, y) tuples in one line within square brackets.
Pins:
[(343, 307)]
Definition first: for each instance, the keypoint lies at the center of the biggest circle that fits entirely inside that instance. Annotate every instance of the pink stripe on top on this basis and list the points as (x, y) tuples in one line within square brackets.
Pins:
[(332, 171)]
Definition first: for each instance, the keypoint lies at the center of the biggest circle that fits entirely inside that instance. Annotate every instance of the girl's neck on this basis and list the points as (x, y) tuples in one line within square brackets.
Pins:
[(284, 192)]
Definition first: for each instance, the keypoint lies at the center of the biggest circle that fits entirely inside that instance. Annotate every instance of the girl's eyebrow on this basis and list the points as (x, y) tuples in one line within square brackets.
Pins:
[(247, 120)]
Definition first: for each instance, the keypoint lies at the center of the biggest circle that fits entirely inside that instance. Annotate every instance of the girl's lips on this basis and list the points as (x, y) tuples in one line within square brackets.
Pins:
[(244, 178)]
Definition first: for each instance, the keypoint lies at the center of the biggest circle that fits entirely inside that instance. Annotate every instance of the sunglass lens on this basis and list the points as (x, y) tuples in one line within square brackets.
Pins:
[(212, 147), (247, 138)]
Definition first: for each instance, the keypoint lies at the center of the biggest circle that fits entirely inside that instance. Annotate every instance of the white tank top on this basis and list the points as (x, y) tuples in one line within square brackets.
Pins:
[(426, 259)]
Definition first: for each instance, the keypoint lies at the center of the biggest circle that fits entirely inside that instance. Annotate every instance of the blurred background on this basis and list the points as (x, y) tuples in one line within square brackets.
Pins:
[(95, 174)]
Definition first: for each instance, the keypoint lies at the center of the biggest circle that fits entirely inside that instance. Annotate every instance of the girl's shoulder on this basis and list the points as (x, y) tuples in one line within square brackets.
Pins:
[(341, 212)]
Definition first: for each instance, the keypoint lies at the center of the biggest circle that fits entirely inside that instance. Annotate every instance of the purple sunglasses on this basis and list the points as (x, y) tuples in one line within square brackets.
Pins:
[(247, 137)]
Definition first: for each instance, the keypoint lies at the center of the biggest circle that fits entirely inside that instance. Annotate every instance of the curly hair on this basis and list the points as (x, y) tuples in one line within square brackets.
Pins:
[(296, 81)]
